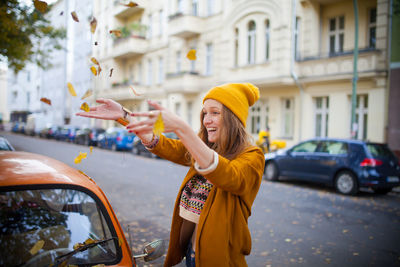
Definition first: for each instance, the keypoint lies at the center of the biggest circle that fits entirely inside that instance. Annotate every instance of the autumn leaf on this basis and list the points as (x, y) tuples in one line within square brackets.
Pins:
[(74, 16), (88, 93), (111, 71), (91, 149), (95, 43), (98, 70), (136, 94), (120, 241), (85, 107), (40, 5), (46, 100), (130, 4), (38, 246), (83, 155), (89, 241), (71, 89), (158, 127), (94, 70), (79, 158), (117, 33), (93, 25), (191, 55), (94, 60)]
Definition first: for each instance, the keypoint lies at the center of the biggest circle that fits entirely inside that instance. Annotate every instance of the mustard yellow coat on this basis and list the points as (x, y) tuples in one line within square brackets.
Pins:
[(223, 237)]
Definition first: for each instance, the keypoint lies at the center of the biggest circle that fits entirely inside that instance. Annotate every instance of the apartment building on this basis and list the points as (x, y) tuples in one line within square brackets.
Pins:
[(298, 52)]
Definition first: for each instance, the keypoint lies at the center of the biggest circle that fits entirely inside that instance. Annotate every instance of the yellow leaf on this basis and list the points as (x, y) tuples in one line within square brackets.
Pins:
[(120, 241), (46, 100), (191, 55), (38, 246), (77, 160), (94, 70), (158, 128), (93, 25), (87, 94), (136, 94), (74, 16), (117, 33), (94, 60), (130, 4), (99, 70), (71, 89), (40, 5), (91, 149), (83, 155), (85, 107), (89, 241)]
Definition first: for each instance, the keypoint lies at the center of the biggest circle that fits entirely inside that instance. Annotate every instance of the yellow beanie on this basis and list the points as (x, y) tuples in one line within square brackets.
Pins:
[(238, 97)]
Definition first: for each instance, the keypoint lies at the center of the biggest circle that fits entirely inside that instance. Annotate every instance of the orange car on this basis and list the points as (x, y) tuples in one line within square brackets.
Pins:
[(54, 215)]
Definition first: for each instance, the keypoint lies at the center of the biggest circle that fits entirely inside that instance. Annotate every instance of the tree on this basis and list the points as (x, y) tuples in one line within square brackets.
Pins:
[(26, 35)]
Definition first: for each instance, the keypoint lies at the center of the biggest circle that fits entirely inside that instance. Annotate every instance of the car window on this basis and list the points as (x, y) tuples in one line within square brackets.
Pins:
[(333, 147), (58, 219), (309, 147), (379, 150)]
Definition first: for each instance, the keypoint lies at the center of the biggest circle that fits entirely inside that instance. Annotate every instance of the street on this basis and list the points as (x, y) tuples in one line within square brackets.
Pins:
[(292, 223)]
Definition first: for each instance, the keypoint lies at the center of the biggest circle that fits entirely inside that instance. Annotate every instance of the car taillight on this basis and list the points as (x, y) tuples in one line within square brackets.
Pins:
[(367, 162), (91, 136)]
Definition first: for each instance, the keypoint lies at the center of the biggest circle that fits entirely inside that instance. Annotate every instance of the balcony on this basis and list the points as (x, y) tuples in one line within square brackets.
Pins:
[(185, 26), (339, 65), (183, 82), (129, 47), (123, 12)]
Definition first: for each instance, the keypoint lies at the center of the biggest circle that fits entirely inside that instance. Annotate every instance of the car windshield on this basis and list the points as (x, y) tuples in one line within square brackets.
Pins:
[(379, 150), (37, 226)]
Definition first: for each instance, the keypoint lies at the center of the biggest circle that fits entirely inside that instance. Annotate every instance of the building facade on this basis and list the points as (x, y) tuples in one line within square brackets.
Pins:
[(298, 52)]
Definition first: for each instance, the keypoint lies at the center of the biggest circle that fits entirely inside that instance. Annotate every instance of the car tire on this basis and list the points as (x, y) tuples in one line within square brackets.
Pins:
[(136, 151), (346, 183), (153, 156), (87, 142), (382, 191), (271, 171), (114, 147)]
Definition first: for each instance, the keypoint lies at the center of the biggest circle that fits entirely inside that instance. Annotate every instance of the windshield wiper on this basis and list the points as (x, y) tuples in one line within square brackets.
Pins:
[(65, 257)]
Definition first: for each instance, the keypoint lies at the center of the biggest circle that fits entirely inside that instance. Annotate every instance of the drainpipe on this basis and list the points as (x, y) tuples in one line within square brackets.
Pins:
[(292, 72), (355, 74)]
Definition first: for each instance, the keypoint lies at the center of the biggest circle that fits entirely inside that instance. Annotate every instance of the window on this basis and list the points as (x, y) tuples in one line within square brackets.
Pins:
[(288, 118), (178, 62), (189, 112), (361, 117), (306, 147), (210, 5), (267, 39), (195, 4), (160, 22), (178, 109), (160, 70), (28, 98), (372, 28), (336, 35), (296, 38), (236, 47), (255, 119), (209, 59), (149, 72), (193, 63), (14, 96), (180, 6), (251, 42), (333, 147), (150, 27), (321, 116)]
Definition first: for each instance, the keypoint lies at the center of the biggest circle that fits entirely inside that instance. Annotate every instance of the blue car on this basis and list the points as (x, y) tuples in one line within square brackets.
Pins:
[(348, 165), (67, 133), (116, 139)]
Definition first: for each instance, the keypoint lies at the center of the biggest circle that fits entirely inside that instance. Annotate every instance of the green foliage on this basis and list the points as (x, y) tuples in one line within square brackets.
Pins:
[(26, 35)]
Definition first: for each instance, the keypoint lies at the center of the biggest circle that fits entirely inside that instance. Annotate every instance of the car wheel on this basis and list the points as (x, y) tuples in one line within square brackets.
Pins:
[(136, 151), (114, 147), (153, 156), (87, 143), (271, 171), (346, 183), (382, 191)]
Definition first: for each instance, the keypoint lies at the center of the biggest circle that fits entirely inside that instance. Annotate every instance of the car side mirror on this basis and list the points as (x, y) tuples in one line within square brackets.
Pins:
[(152, 250)]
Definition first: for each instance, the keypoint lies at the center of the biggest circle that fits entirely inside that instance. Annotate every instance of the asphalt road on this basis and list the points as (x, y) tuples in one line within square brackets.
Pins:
[(292, 223)]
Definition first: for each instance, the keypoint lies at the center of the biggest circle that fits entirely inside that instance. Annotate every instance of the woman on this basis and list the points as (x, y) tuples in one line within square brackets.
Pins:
[(209, 224)]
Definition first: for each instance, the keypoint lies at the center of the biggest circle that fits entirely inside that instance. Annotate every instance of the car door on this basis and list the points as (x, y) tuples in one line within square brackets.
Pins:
[(297, 162)]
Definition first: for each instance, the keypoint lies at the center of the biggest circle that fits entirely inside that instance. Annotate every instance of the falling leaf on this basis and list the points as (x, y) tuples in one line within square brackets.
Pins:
[(136, 94), (38, 246), (88, 93), (117, 33), (345, 231), (46, 100), (120, 241), (130, 4), (95, 43), (111, 71), (94, 60), (83, 155), (191, 55), (98, 70), (91, 149), (61, 13), (74, 16), (93, 25), (71, 89), (79, 158), (158, 128), (89, 241), (40, 5), (94, 70), (85, 107)]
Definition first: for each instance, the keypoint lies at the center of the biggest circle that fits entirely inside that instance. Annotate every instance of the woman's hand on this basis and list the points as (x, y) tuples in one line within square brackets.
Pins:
[(108, 110)]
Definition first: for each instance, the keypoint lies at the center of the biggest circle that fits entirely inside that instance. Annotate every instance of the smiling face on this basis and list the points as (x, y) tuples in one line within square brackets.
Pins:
[(212, 119)]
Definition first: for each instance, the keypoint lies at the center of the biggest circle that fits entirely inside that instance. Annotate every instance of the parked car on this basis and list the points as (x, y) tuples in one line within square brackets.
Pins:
[(140, 149), (54, 215), (346, 164), (67, 133), (5, 145), (116, 139), (50, 132), (88, 136)]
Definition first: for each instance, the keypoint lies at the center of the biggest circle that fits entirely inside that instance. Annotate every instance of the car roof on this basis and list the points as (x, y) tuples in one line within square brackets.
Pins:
[(24, 168), (353, 141)]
